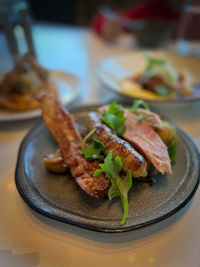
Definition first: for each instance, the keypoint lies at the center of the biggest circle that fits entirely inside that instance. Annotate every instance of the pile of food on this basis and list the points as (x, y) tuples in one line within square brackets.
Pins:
[(20, 87), (159, 80), (119, 145)]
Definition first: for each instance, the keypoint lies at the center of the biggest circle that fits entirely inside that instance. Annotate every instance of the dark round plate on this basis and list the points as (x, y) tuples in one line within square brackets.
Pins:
[(59, 197)]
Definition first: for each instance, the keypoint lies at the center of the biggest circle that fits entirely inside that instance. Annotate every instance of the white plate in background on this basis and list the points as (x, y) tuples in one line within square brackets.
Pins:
[(68, 87), (111, 71)]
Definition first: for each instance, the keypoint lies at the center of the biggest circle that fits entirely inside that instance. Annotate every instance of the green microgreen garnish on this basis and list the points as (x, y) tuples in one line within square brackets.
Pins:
[(137, 104), (172, 148), (94, 150), (114, 118), (153, 61), (119, 186), (162, 90)]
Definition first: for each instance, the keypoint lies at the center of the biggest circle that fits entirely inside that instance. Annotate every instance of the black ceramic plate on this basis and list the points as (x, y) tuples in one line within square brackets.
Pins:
[(59, 197)]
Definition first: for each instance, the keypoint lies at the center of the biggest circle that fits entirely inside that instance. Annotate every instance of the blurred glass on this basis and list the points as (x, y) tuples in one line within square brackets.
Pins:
[(16, 24), (188, 41)]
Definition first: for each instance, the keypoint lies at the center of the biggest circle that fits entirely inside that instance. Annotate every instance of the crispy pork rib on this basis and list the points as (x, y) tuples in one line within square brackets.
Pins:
[(155, 150), (131, 159), (62, 126)]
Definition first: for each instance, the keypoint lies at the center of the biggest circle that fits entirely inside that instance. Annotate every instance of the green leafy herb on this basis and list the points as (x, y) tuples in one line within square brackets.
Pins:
[(172, 148), (119, 186), (137, 104), (94, 150), (141, 118), (114, 118), (153, 61), (162, 90)]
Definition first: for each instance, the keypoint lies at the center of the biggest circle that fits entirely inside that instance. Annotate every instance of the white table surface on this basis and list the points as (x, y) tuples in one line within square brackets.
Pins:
[(30, 239)]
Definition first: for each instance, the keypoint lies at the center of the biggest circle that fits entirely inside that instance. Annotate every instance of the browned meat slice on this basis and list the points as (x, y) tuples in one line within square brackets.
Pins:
[(154, 150), (131, 159), (62, 126), (151, 118)]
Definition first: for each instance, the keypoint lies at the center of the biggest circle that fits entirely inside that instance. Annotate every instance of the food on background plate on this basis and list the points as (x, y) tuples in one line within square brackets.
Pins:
[(160, 80), (121, 144), (20, 87)]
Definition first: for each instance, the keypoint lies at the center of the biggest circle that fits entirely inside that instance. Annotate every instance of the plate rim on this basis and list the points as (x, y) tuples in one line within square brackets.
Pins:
[(38, 209), (36, 113), (113, 89)]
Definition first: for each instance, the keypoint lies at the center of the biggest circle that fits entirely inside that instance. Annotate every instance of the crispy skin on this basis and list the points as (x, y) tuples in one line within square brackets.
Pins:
[(54, 162), (157, 152), (131, 159), (62, 126)]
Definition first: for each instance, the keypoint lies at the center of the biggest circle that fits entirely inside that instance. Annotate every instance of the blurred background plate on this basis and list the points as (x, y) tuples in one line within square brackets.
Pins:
[(68, 90), (111, 71)]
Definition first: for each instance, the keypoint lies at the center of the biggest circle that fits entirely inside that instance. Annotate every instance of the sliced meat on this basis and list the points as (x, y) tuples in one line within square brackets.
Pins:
[(131, 159), (154, 150), (62, 126), (151, 118)]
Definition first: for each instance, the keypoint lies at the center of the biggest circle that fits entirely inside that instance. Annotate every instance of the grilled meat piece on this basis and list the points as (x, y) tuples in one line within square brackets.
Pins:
[(151, 118), (54, 162), (156, 151), (131, 159), (62, 126)]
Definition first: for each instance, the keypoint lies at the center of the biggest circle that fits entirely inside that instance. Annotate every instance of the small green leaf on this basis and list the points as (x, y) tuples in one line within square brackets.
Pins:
[(97, 172), (114, 118), (118, 164), (162, 90), (137, 104), (94, 150), (119, 186), (153, 61), (172, 148)]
